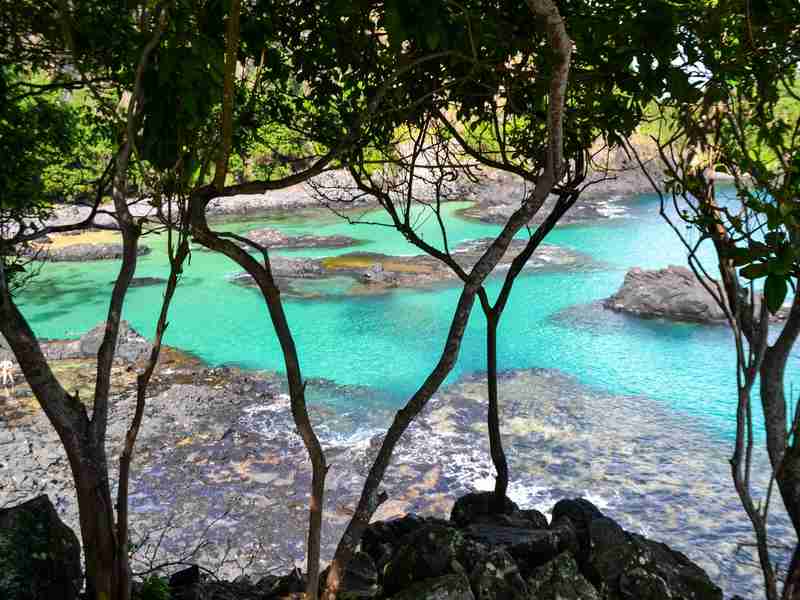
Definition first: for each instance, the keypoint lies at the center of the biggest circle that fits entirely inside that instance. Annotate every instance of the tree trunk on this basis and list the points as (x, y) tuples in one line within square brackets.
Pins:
[(101, 552), (493, 417), (271, 294), (791, 587)]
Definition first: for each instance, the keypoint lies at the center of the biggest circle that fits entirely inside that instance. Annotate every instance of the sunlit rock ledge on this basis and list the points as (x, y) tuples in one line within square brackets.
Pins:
[(374, 273)]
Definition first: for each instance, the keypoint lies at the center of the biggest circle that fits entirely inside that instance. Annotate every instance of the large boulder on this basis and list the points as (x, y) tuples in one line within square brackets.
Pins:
[(131, 346), (447, 587), (40, 557), (560, 579), (475, 507), (360, 579), (529, 547), (498, 576), (382, 539), (577, 513), (429, 552), (628, 566), (672, 293), (478, 507)]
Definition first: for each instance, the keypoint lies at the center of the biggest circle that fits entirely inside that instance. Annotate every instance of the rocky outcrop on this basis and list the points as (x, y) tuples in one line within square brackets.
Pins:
[(422, 558), (272, 238), (39, 555), (131, 345), (83, 252), (374, 273), (671, 293)]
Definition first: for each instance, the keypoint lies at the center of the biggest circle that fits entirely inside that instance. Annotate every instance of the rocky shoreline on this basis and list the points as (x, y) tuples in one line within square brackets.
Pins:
[(476, 554), (374, 273), (218, 460), (495, 197)]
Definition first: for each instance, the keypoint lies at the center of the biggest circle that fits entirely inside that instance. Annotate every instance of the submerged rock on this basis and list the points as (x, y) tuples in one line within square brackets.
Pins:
[(40, 557)]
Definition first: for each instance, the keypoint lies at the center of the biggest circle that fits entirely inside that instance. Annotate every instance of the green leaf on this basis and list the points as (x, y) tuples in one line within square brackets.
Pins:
[(754, 271), (775, 290), (433, 37)]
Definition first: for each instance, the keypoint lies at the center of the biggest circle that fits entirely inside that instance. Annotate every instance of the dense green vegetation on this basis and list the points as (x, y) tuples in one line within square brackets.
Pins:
[(176, 103)]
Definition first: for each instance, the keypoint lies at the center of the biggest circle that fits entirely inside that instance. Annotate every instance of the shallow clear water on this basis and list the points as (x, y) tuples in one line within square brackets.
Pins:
[(391, 341), (649, 442)]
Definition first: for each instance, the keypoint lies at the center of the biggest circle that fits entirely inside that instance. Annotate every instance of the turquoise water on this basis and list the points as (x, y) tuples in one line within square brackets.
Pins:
[(390, 342)]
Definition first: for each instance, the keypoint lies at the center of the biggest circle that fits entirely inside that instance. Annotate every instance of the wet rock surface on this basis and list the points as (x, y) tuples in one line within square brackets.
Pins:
[(373, 273), (438, 559)]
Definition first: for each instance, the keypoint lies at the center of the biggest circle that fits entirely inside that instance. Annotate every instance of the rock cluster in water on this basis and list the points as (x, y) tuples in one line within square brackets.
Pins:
[(273, 238), (672, 293), (374, 273)]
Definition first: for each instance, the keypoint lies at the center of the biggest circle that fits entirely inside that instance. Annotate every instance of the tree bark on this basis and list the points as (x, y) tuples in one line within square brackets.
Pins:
[(370, 498), (271, 294)]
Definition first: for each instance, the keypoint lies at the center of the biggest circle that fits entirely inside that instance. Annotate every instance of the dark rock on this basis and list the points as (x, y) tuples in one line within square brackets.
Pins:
[(474, 507), (81, 252), (360, 579), (498, 576), (579, 510), (381, 539), (448, 587), (40, 557), (145, 281), (532, 516), (292, 583), (185, 577), (672, 293), (431, 551), (628, 566), (579, 513), (130, 345), (529, 547), (560, 579)]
